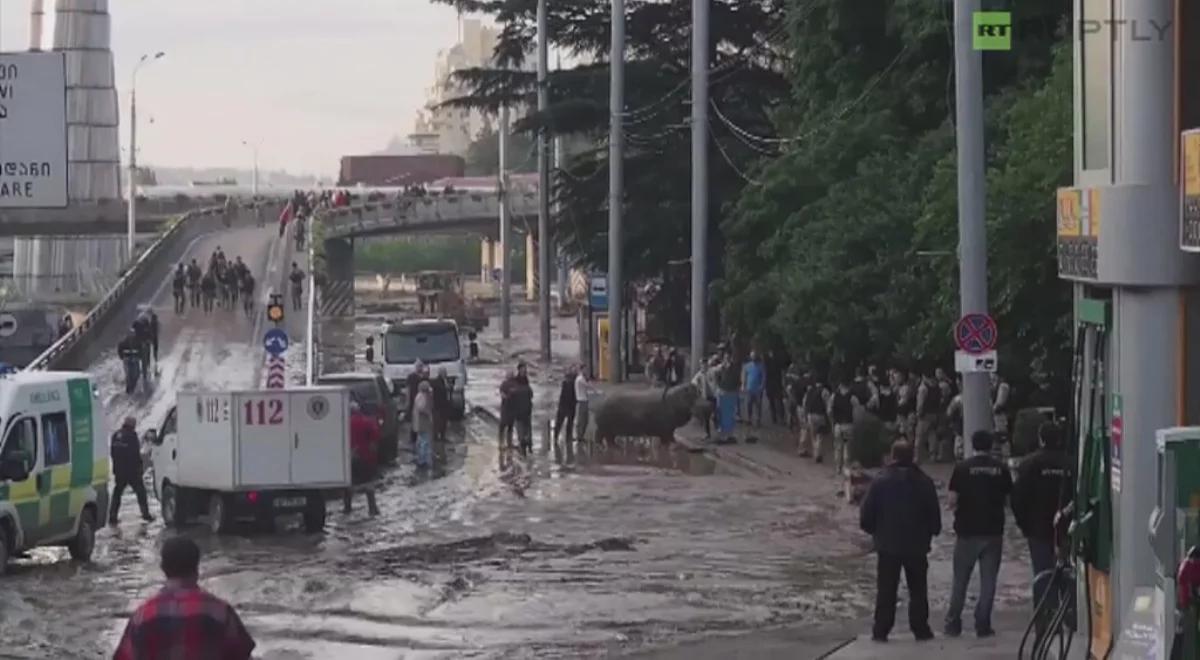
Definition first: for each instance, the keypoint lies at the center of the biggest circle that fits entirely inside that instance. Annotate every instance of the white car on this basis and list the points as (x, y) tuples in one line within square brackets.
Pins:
[(436, 343)]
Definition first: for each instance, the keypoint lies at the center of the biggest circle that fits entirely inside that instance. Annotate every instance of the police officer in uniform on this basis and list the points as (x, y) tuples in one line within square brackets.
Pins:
[(841, 412), (126, 452), (929, 410), (1044, 487)]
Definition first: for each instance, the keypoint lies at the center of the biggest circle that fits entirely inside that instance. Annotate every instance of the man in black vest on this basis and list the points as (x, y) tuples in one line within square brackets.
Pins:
[(841, 413), (929, 410), (816, 424)]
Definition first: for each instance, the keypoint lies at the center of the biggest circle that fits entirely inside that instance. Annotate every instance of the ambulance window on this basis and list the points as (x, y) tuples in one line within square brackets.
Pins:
[(170, 424), (58, 439), (22, 438)]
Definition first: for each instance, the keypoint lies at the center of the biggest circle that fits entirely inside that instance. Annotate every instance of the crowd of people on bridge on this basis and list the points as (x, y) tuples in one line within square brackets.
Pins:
[(220, 285)]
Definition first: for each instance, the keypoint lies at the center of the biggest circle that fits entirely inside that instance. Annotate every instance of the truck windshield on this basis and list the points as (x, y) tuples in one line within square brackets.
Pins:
[(406, 346)]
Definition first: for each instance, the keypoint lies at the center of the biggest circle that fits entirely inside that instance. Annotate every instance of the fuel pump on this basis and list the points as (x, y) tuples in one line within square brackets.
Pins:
[(1174, 536), (1084, 552)]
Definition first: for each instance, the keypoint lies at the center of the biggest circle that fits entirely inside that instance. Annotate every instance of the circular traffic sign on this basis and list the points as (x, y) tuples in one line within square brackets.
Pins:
[(8, 325), (976, 333), (275, 313)]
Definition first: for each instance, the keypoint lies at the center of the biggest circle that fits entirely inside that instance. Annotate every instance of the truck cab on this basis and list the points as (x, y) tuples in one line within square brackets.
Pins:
[(54, 463), (437, 344)]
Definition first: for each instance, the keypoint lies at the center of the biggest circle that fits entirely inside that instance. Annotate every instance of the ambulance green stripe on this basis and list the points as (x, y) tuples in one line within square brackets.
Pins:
[(79, 394)]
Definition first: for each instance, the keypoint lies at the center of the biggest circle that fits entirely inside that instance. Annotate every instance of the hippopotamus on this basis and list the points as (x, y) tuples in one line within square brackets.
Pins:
[(653, 413)]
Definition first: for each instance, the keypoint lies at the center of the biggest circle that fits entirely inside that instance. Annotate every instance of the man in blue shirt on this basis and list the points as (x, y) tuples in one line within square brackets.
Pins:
[(753, 383)]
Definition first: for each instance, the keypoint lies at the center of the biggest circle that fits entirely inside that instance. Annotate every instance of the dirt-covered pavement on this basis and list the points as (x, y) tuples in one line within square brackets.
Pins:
[(573, 551)]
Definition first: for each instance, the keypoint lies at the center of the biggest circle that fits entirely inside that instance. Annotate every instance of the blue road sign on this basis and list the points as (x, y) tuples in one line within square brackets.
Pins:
[(598, 292), (275, 341)]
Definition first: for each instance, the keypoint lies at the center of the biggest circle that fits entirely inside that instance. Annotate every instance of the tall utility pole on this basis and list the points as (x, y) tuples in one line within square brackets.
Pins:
[(505, 231), (254, 176), (972, 234), (699, 180), (616, 154), (132, 220), (543, 163)]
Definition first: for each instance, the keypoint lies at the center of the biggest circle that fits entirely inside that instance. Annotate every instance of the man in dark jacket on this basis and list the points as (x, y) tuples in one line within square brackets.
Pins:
[(775, 365), (126, 452), (522, 401), (441, 404), (1043, 488), (566, 404), (900, 512)]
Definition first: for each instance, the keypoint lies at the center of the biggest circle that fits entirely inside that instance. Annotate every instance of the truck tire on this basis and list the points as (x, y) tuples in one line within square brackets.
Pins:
[(220, 519), (173, 506), (6, 542), (314, 514), (84, 543)]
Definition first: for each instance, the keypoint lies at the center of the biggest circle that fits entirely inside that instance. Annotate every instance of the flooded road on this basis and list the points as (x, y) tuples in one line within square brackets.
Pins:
[(572, 551)]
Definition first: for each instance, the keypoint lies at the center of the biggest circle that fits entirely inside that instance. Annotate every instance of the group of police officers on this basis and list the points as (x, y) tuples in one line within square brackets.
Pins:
[(222, 284)]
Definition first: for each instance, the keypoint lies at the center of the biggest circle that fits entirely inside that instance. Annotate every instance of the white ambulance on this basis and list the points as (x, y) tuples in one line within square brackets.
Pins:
[(236, 456), (54, 463)]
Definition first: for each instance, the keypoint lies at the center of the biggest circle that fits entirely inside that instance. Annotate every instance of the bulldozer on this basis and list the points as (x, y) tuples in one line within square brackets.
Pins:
[(440, 293)]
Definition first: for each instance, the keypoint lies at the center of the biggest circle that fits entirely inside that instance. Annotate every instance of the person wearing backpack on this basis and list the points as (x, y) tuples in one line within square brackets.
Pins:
[(816, 424)]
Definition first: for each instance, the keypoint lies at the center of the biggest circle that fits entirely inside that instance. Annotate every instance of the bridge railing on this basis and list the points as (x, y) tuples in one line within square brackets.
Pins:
[(425, 211), (131, 278)]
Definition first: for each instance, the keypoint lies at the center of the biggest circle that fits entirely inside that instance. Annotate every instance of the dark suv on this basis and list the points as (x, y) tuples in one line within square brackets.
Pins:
[(374, 398)]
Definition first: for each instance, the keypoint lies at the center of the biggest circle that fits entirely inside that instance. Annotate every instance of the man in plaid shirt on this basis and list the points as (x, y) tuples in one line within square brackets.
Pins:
[(184, 622)]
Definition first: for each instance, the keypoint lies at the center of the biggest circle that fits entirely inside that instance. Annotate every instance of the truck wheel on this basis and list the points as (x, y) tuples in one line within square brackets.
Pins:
[(314, 514), (84, 543), (219, 517), (172, 506), (5, 548)]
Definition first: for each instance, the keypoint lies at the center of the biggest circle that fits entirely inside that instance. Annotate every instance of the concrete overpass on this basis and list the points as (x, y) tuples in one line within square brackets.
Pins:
[(463, 212)]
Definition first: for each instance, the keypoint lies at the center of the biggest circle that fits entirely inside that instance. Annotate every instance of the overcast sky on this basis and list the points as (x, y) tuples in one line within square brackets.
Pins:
[(309, 80)]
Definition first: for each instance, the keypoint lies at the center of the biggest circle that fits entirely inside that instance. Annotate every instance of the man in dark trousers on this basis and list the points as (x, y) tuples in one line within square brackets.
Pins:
[(126, 451), (775, 365), (1043, 488), (900, 512), (566, 404), (979, 489)]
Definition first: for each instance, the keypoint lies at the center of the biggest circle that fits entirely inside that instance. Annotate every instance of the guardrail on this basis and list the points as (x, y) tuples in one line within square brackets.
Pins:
[(421, 212), (130, 278)]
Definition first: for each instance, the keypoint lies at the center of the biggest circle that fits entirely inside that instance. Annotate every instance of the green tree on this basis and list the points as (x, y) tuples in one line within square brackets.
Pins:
[(483, 155)]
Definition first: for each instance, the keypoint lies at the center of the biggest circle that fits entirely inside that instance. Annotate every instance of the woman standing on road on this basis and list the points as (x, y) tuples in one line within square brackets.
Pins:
[(422, 422)]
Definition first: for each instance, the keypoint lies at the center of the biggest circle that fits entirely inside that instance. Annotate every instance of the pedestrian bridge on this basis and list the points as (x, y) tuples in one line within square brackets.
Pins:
[(473, 212)]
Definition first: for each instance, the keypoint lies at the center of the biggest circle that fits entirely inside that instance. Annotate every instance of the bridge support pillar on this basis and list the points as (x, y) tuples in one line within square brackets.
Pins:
[(60, 268), (531, 274), (337, 296)]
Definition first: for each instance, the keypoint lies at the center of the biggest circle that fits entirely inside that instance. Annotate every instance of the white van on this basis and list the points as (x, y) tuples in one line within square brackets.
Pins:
[(54, 463), (252, 455), (436, 343)]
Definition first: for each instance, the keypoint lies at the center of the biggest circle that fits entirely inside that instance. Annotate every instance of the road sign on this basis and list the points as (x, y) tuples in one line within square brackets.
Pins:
[(8, 325), (275, 312), (976, 334), (276, 341), (276, 371), (33, 130), (598, 292), (974, 363)]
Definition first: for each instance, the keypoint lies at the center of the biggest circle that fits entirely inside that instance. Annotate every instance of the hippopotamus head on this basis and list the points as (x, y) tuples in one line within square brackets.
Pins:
[(681, 399)]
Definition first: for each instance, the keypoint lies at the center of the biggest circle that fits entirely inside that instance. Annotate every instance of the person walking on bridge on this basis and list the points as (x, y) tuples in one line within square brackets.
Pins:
[(194, 275), (178, 286), (296, 277)]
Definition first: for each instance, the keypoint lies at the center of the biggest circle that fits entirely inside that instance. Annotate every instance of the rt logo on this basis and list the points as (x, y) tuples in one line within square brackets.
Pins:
[(992, 30)]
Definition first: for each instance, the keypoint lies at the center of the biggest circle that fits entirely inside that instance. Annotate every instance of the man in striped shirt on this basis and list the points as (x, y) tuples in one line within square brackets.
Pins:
[(184, 622)]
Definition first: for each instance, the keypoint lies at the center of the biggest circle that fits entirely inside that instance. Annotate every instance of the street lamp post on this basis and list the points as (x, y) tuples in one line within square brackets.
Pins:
[(132, 229), (254, 176)]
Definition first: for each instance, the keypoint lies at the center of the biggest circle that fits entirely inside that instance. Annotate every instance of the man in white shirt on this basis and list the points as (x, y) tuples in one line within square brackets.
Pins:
[(582, 391)]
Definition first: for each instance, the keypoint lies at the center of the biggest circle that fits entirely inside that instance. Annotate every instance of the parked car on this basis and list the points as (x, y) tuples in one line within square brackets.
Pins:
[(374, 397)]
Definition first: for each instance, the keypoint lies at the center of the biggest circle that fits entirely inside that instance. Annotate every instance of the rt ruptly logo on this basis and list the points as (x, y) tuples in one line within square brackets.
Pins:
[(318, 407), (991, 30)]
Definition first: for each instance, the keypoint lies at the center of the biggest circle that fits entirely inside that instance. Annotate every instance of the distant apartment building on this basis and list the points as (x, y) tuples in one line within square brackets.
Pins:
[(451, 130)]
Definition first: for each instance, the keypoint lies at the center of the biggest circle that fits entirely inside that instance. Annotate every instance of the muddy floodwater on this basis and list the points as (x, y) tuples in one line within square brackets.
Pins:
[(494, 555), (572, 551)]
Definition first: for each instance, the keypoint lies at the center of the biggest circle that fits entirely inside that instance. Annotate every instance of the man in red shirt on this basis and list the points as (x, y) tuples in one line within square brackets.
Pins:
[(184, 622), (364, 449)]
